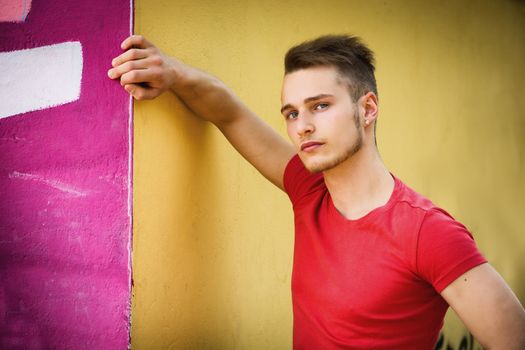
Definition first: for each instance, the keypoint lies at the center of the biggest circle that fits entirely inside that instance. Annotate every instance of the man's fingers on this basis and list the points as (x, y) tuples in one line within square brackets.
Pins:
[(137, 41), (129, 60), (140, 92), (126, 67), (136, 76), (130, 55)]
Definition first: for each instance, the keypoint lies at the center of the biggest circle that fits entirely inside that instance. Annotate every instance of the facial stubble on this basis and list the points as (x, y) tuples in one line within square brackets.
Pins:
[(347, 154)]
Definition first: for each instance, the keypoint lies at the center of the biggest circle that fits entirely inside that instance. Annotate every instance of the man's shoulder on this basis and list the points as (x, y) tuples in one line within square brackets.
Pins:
[(412, 198), (417, 208)]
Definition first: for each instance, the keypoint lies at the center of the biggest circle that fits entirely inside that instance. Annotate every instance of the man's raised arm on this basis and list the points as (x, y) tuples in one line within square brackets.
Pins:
[(146, 73)]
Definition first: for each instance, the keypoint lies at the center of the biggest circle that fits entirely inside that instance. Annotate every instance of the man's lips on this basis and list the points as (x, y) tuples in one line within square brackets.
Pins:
[(310, 145)]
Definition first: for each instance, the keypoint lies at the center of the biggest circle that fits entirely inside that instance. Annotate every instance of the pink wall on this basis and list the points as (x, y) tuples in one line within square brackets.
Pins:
[(65, 209)]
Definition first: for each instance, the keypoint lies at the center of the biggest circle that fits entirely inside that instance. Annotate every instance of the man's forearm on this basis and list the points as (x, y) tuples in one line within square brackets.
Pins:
[(206, 96)]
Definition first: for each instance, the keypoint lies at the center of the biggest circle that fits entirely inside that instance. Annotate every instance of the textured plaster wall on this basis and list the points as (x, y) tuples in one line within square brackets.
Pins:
[(65, 222), (213, 240)]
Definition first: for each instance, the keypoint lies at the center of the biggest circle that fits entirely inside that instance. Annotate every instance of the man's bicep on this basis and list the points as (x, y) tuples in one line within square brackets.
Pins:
[(260, 145), (488, 307)]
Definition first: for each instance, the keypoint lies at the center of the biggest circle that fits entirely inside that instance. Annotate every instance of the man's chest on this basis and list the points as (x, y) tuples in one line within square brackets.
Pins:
[(357, 275)]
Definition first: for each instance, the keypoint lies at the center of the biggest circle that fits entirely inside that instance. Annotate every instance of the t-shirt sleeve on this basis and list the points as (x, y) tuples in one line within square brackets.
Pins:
[(298, 181), (445, 249)]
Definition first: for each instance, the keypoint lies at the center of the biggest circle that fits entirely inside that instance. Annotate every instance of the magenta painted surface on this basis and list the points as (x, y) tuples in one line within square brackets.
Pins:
[(65, 231)]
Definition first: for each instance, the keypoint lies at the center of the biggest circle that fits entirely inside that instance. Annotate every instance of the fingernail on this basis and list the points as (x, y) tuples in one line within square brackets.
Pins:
[(110, 73)]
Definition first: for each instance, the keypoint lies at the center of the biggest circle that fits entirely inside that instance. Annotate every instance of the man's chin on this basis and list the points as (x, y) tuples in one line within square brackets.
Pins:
[(318, 166), (317, 163)]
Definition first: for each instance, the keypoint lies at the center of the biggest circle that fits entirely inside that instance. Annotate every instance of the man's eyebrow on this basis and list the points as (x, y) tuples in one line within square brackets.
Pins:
[(307, 100)]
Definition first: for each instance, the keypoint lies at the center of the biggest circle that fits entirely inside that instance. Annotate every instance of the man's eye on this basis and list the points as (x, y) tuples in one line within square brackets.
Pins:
[(321, 106), (292, 115)]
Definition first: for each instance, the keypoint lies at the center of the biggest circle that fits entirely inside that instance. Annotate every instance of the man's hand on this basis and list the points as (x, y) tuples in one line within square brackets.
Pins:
[(143, 70)]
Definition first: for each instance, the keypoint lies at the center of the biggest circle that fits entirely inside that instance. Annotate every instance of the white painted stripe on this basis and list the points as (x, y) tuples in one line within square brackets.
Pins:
[(39, 78)]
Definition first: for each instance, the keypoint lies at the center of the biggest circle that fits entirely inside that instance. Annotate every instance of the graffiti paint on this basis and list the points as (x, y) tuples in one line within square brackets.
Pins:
[(40, 78), (467, 343), (65, 177), (14, 10)]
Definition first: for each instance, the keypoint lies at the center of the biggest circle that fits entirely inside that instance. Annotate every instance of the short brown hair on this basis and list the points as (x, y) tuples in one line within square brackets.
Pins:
[(351, 58)]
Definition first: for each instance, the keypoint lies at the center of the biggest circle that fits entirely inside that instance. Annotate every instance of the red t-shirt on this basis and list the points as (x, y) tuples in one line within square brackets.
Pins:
[(374, 282)]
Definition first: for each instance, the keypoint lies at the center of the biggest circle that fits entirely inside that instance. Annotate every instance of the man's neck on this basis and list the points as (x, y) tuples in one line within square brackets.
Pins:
[(360, 184)]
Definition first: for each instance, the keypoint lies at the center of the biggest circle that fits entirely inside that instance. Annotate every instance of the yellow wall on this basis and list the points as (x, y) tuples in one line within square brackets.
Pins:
[(213, 240)]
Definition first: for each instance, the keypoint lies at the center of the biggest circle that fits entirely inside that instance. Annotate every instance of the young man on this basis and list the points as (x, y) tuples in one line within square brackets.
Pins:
[(376, 265)]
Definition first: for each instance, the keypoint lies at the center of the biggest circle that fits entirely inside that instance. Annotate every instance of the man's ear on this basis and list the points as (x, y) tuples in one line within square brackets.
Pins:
[(369, 108)]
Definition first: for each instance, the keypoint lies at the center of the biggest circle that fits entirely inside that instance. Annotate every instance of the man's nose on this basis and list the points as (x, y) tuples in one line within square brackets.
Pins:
[(305, 124)]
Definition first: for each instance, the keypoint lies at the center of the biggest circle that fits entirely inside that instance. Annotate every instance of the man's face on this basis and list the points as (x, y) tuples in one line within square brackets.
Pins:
[(322, 121)]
